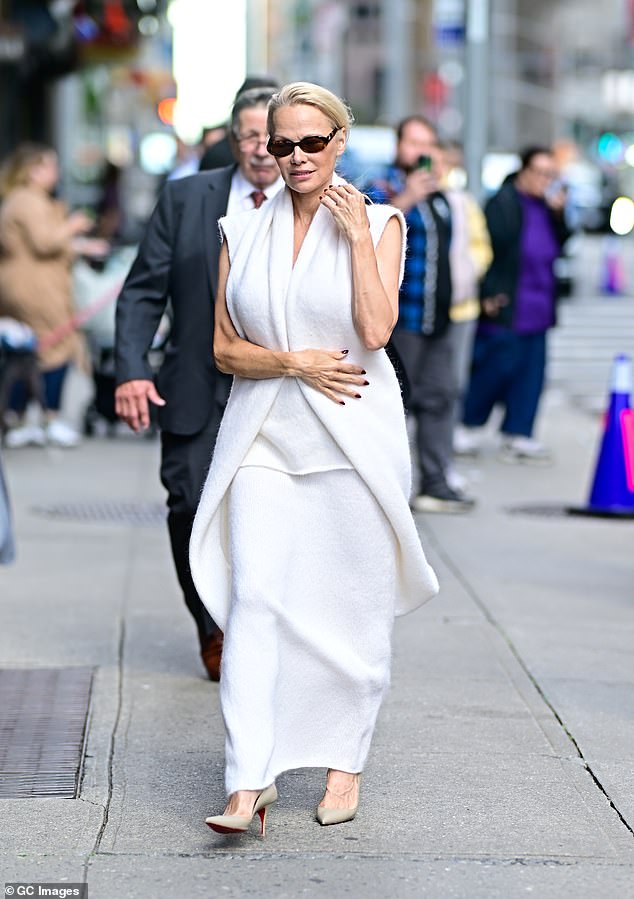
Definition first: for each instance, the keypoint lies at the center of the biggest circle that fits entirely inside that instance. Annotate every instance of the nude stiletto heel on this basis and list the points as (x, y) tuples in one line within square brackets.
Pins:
[(327, 816), (240, 823)]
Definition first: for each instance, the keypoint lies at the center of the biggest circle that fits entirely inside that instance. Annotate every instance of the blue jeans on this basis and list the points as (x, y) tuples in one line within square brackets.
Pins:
[(508, 369)]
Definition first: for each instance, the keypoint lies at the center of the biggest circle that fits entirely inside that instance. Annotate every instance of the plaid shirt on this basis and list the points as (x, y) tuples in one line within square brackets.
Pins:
[(425, 294)]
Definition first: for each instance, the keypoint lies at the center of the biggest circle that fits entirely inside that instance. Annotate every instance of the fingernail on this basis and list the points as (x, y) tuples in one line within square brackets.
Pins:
[(345, 352), (357, 396), (366, 383), (364, 372), (341, 403)]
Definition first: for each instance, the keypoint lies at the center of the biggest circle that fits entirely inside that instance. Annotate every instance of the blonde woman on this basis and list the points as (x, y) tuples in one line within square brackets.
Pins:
[(304, 547), (38, 240)]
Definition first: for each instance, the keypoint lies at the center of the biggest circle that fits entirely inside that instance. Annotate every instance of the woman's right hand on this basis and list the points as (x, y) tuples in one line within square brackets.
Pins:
[(329, 373)]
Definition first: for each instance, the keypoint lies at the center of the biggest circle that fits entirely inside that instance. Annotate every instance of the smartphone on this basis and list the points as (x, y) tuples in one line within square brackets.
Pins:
[(424, 162)]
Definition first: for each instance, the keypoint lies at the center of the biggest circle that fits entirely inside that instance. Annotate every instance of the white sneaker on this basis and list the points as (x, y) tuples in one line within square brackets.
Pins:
[(466, 441), (524, 450), (58, 433), (456, 481), (25, 435)]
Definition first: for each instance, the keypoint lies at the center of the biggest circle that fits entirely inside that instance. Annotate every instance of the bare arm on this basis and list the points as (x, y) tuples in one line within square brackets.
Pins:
[(324, 370), (375, 274)]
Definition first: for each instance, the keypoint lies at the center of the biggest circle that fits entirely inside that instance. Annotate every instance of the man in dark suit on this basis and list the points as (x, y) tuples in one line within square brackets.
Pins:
[(221, 153), (178, 261)]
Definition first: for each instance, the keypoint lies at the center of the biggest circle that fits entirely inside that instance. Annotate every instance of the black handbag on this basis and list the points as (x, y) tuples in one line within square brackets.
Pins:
[(399, 368)]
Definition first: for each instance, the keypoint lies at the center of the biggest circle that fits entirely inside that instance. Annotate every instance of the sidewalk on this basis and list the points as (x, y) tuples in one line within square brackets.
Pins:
[(502, 764)]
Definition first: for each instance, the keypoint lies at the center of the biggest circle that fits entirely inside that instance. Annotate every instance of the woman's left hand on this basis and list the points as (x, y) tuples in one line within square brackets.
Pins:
[(347, 206)]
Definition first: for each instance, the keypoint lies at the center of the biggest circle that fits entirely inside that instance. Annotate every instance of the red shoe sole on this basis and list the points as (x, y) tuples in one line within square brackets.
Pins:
[(220, 829)]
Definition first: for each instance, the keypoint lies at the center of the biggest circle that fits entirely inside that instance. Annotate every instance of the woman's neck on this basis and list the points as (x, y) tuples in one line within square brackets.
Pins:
[(305, 206)]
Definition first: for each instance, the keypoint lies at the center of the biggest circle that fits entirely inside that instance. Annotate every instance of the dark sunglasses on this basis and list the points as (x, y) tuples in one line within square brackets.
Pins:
[(313, 144)]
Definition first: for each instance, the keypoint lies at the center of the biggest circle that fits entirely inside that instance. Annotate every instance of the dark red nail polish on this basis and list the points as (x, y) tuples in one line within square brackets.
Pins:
[(357, 396), (341, 403), (345, 352), (366, 383), (364, 372)]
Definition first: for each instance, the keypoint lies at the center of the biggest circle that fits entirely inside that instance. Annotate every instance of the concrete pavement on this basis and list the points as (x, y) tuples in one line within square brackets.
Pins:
[(502, 764)]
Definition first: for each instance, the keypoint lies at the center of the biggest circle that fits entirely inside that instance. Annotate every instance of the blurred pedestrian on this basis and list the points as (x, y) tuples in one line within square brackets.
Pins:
[(110, 223), (221, 152), (304, 547), (422, 335), (178, 261), (187, 160), (39, 240), (212, 134), (7, 547), (518, 294), (189, 156), (470, 255)]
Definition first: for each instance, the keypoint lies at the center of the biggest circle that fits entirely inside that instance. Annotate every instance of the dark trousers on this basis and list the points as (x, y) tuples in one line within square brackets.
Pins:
[(508, 369), (25, 387), (428, 363), (184, 464)]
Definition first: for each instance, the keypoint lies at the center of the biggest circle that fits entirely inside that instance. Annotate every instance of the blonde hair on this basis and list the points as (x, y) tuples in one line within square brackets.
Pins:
[(15, 169), (303, 93)]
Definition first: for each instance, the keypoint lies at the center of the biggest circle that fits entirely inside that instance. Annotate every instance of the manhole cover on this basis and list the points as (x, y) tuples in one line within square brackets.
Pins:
[(43, 714), (141, 514)]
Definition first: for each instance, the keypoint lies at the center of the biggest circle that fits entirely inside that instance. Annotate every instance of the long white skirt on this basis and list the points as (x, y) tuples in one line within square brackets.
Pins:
[(306, 658)]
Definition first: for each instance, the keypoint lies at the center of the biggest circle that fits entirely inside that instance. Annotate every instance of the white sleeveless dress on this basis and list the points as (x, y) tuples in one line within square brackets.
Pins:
[(303, 547)]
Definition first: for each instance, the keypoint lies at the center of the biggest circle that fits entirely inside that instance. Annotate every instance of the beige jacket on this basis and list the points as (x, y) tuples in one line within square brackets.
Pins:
[(470, 254), (35, 268)]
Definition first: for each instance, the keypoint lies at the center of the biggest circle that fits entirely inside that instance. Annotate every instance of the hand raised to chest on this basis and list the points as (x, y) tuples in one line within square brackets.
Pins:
[(347, 207)]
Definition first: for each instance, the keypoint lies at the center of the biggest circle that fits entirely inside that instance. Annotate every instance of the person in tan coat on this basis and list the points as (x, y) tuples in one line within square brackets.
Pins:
[(38, 240)]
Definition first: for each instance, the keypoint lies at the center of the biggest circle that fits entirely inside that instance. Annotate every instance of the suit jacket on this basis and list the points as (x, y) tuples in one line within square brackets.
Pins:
[(177, 260)]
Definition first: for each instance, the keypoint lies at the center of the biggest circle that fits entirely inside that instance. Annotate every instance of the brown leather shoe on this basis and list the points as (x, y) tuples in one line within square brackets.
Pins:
[(211, 654)]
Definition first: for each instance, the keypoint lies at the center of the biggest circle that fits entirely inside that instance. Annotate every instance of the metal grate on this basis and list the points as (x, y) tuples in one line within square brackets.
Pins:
[(140, 514), (43, 716)]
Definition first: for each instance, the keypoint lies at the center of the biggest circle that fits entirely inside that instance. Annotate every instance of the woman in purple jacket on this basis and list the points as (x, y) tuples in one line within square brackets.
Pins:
[(518, 294)]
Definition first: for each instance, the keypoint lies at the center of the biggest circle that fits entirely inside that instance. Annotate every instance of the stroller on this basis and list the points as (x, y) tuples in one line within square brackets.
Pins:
[(18, 362), (95, 299)]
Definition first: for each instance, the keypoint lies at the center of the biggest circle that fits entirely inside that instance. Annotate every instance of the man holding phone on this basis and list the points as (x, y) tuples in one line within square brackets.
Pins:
[(421, 336)]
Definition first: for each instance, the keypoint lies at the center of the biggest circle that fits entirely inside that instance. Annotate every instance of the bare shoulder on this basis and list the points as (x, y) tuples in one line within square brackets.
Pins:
[(385, 220)]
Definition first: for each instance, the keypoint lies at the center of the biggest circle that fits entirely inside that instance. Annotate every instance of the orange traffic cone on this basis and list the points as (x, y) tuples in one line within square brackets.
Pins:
[(612, 493)]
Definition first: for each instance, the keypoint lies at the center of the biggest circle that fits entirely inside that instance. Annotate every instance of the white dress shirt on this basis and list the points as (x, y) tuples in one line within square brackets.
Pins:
[(241, 189)]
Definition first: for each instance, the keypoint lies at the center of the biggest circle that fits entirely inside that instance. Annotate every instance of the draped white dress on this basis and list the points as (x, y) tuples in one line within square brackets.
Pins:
[(304, 548)]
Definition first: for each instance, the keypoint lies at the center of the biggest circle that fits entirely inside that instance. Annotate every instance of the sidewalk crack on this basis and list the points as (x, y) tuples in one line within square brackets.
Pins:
[(111, 752), (495, 624)]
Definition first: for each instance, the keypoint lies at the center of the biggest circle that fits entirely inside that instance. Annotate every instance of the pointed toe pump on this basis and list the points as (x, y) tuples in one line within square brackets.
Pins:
[(240, 823), (327, 816)]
